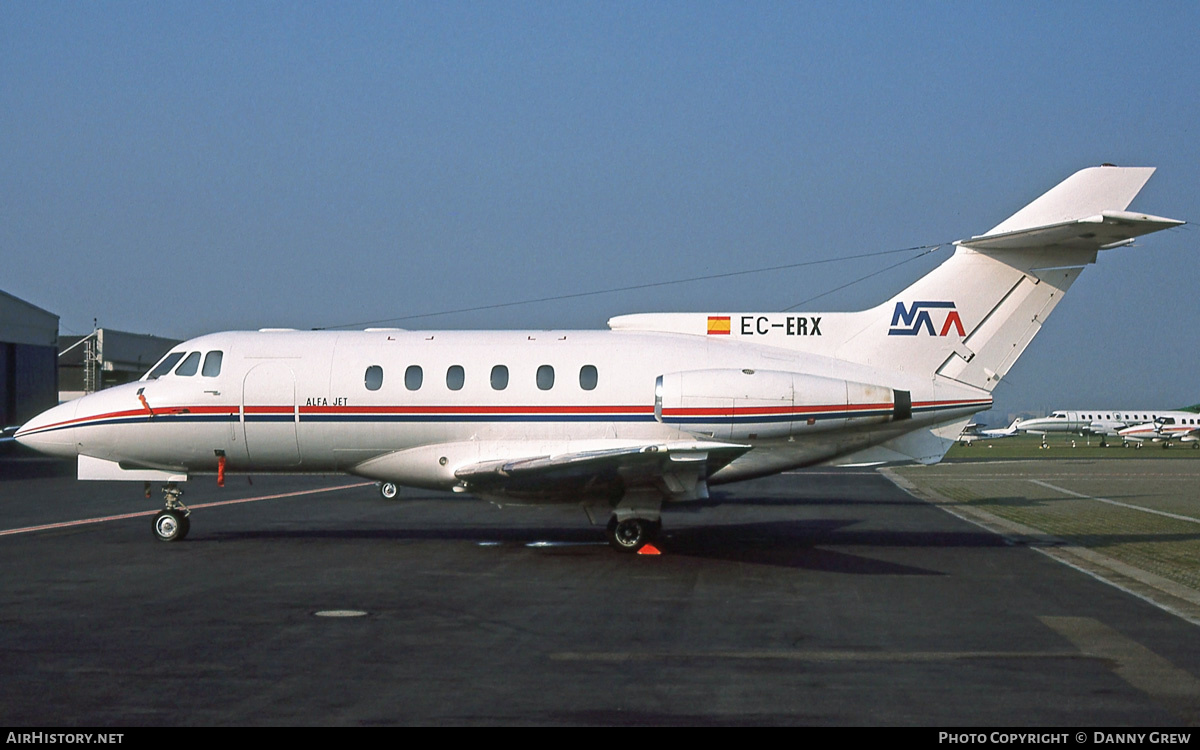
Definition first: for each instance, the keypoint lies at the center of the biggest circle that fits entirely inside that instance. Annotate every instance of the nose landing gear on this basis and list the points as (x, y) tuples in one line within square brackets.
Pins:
[(172, 524)]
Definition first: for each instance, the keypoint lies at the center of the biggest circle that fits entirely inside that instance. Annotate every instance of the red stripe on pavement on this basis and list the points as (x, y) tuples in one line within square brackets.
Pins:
[(104, 519)]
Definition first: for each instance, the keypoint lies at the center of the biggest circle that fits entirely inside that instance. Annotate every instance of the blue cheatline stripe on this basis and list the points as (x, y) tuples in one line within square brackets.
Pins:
[(762, 419), (474, 418)]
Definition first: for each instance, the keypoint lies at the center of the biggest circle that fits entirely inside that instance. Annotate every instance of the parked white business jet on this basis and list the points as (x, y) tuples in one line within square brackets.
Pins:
[(1103, 422), (973, 432), (653, 410), (1182, 426)]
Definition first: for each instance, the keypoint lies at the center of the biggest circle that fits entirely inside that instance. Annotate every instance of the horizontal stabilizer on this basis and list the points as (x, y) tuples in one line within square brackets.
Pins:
[(1106, 229)]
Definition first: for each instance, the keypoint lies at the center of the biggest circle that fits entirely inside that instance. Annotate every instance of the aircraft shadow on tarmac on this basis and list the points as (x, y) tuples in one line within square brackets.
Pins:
[(718, 499), (21, 466), (791, 544)]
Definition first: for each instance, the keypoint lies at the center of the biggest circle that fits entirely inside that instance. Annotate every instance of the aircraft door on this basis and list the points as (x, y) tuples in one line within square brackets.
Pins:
[(269, 416)]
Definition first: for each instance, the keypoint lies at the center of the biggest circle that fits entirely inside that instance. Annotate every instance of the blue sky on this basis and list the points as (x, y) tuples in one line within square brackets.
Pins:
[(179, 168)]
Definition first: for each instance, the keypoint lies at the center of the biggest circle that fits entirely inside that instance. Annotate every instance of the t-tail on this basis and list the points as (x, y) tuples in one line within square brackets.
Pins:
[(971, 317)]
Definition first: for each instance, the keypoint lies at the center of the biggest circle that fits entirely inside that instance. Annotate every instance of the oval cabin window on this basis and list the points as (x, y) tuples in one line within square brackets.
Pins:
[(374, 378), (588, 377), (499, 377), (413, 377)]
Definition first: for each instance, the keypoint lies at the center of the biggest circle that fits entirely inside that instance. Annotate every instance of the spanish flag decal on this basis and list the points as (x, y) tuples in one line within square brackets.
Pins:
[(718, 325)]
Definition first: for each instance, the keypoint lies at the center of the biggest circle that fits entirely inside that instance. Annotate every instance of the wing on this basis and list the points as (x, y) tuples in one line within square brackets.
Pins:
[(678, 470)]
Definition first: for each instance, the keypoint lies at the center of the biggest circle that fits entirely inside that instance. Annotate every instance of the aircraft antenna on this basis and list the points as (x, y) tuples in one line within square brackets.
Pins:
[(931, 249), (925, 250)]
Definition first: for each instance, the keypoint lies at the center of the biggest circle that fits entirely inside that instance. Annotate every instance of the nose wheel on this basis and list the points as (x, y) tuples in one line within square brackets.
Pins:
[(172, 524)]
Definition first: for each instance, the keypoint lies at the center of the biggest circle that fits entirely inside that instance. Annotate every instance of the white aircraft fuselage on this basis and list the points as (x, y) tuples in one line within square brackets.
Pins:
[(292, 401), (653, 410), (1110, 422), (1183, 426)]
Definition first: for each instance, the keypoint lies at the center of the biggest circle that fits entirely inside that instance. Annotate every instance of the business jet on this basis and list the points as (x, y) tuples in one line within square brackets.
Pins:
[(1181, 426), (973, 432), (653, 411), (1103, 422)]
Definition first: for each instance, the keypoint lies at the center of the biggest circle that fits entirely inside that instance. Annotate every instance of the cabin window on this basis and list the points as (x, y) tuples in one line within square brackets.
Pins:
[(212, 364), (374, 378), (545, 377), (455, 377), (588, 377), (413, 377), (499, 377), (165, 366), (190, 365)]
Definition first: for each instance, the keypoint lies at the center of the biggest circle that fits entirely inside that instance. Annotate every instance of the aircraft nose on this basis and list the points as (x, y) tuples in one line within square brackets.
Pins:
[(52, 431)]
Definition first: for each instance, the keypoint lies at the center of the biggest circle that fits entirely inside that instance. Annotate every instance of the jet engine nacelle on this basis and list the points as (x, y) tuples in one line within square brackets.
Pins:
[(759, 404)]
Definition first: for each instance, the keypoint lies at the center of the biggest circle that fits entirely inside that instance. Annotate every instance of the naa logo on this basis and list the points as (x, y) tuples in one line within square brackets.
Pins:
[(913, 320)]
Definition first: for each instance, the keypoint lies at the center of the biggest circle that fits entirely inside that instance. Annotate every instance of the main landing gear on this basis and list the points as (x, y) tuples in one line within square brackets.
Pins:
[(172, 524), (631, 534)]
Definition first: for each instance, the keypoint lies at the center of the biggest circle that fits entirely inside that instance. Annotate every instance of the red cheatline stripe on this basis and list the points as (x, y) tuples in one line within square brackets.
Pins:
[(104, 519), (499, 410)]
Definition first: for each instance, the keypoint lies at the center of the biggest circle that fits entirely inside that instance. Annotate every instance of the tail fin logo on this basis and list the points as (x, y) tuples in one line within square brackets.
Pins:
[(912, 320)]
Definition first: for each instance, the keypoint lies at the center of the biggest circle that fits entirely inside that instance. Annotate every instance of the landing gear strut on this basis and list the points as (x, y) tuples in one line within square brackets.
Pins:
[(172, 524), (631, 534)]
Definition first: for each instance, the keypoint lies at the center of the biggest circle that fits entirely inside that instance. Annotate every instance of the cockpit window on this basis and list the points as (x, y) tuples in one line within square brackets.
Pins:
[(189, 366), (165, 365), (212, 364)]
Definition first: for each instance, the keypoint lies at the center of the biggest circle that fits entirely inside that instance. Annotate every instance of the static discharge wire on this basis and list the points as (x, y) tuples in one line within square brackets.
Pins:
[(924, 250)]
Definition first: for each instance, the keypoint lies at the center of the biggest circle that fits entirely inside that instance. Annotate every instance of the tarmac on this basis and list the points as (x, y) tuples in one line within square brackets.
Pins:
[(811, 598)]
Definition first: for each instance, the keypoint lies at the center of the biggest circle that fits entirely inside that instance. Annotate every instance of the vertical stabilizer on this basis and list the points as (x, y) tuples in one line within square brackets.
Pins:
[(971, 317), (1088, 192)]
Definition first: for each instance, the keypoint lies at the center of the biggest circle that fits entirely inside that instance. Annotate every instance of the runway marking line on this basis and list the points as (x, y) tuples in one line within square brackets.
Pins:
[(813, 656), (1167, 595), (1115, 502), (1157, 677), (122, 517)]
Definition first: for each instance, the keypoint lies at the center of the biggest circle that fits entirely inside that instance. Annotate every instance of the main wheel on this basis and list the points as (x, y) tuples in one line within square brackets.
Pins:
[(171, 526), (389, 490), (632, 534)]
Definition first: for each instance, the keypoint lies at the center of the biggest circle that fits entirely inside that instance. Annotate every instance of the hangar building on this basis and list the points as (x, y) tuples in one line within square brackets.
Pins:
[(28, 360), (105, 358)]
